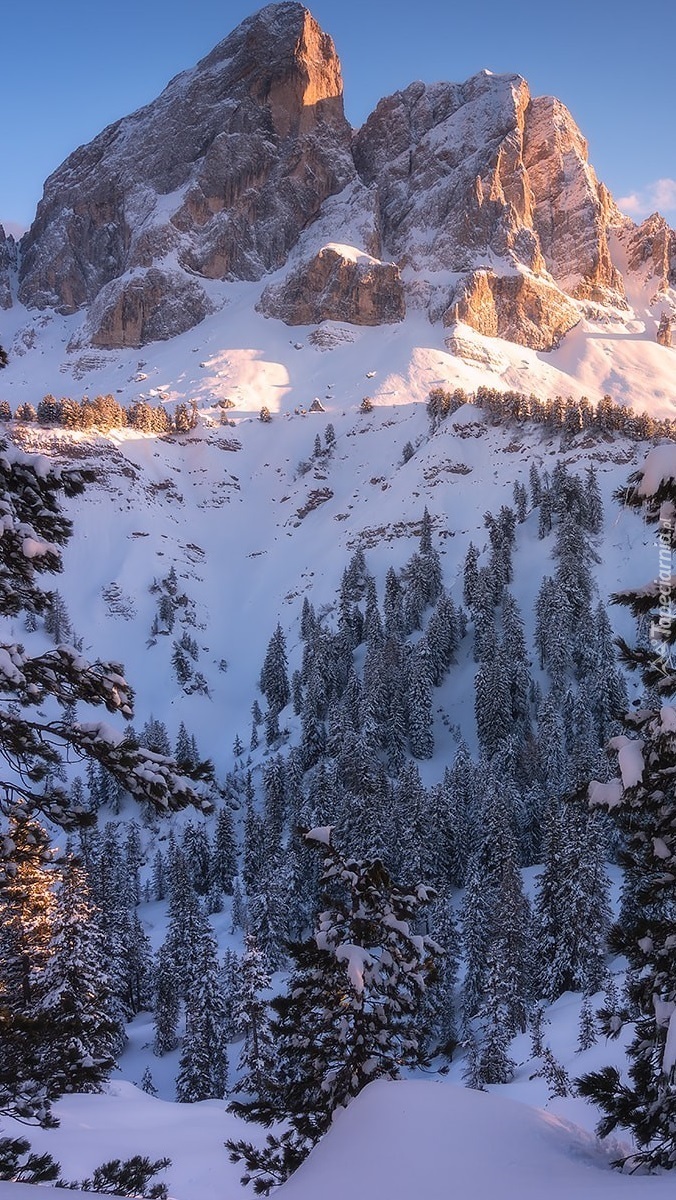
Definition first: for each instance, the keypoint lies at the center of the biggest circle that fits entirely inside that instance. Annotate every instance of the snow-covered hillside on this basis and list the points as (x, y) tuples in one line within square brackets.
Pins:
[(254, 519), (251, 531)]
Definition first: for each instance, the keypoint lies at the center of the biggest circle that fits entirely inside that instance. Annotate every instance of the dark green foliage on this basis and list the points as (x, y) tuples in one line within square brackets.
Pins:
[(350, 1011), (185, 418), (441, 404), (274, 681), (572, 910), (203, 1066), (555, 1075), (19, 1165), (131, 1178), (74, 1006), (641, 804)]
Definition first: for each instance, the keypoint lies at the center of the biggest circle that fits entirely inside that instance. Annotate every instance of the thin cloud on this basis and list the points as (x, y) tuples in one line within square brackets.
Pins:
[(659, 196)]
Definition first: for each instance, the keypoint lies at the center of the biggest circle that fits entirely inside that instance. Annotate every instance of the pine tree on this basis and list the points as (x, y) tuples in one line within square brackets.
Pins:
[(197, 851), (167, 1002), (252, 1020), (147, 1084), (593, 504), (496, 915), (554, 1074), (203, 1067), (185, 920), (419, 699), (133, 969), (470, 576), (535, 485), (57, 620), (75, 994), (349, 1015), (26, 922), (274, 681), (393, 607), (437, 1013), (495, 1065), (587, 1035), (641, 803), (572, 912), (159, 876), (224, 852), (493, 703)]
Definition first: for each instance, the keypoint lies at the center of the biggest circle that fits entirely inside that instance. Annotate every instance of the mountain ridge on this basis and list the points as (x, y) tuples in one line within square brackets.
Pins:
[(246, 164)]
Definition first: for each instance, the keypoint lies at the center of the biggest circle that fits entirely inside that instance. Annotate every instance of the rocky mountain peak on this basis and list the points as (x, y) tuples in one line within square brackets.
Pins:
[(287, 64), (218, 176), (475, 201)]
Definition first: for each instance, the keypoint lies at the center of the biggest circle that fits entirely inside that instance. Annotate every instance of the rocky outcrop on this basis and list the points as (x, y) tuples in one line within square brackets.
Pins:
[(475, 170), (520, 308), (572, 212), (224, 170), (7, 268), (338, 284), (664, 330), (651, 250), (442, 158), (149, 306)]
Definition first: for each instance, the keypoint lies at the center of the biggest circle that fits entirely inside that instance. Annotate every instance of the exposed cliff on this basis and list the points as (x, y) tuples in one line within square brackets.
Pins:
[(475, 201)]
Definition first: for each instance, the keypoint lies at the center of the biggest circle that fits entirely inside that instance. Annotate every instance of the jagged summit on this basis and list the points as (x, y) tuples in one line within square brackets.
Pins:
[(474, 201), (217, 177)]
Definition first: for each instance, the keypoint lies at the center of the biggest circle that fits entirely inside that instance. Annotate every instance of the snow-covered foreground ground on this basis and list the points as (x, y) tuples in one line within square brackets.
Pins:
[(396, 1141)]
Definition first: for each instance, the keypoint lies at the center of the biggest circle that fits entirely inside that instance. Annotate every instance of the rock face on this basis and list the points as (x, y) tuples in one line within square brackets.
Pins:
[(8, 258), (246, 165), (520, 308), (222, 172), (651, 249), (480, 168), (572, 213), (338, 285), (151, 306), (664, 330)]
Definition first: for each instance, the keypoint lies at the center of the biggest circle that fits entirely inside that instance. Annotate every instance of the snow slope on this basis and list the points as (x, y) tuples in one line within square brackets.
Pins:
[(405, 1139), (250, 534), (396, 1140)]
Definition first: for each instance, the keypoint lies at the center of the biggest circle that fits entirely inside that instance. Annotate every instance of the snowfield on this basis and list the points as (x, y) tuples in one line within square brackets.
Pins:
[(253, 523), (396, 1140)]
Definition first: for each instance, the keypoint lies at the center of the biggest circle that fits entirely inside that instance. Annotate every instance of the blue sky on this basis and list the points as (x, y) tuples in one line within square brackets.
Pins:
[(72, 66)]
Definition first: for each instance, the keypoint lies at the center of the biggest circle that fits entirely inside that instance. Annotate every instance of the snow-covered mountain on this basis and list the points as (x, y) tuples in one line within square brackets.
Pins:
[(235, 248), (473, 203)]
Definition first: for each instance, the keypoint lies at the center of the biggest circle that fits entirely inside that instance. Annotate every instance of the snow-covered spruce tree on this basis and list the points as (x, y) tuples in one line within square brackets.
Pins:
[(274, 680), (350, 1011), (419, 702), (224, 852), (251, 1017), (75, 991), (167, 1002), (26, 915), (642, 803), (496, 914), (572, 910), (203, 1067), (437, 1024)]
